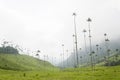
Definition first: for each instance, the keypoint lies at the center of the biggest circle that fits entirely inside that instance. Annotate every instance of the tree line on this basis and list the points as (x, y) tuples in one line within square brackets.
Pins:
[(8, 49)]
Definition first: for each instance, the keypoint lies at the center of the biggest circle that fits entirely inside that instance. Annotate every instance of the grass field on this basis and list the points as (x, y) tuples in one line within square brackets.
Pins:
[(101, 73)]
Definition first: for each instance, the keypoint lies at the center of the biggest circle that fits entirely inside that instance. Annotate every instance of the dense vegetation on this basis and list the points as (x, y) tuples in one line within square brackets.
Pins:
[(8, 50)]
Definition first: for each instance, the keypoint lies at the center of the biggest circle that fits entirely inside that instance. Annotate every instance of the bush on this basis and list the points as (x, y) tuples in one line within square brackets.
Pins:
[(113, 63)]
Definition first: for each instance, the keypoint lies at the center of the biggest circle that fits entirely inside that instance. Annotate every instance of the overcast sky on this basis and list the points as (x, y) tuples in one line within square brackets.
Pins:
[(47, 24)]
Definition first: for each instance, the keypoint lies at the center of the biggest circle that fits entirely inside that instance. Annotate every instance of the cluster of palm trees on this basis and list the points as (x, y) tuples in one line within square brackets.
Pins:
[(90, 42), (95, 55)]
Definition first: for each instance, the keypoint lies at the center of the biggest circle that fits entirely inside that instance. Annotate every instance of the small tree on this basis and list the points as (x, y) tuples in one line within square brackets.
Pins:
[(8, 50), (116, 56)]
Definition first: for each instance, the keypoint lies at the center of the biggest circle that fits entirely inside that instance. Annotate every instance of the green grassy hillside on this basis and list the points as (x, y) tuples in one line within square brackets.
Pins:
[(113, 60), (23, 62)]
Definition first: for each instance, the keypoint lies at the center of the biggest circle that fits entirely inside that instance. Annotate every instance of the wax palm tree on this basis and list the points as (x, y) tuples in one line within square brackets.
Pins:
[(37, 55), (4, 44), (38, 51), (61, 59), (97, 51), (67, 56), (96, 59), (84, 31), (105, 59), (74, 53), (90, 51), (76, 47), (93, 59), (101, 52), (44, 60), (81, 60), (89, 20), (63, 54), (107, 50)]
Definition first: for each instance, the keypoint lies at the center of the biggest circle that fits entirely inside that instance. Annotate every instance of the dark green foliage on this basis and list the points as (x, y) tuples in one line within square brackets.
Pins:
[(8, 50), (113, 63)]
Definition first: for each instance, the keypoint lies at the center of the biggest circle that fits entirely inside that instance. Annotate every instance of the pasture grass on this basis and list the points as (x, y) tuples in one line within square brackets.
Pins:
[(100, 73)]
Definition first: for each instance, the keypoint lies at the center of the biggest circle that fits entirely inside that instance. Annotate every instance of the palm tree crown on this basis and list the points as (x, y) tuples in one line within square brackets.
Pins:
[(74, 14), (84, 30), (89, 20)]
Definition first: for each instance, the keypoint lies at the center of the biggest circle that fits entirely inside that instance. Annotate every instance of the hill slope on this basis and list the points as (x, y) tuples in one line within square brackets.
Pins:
[(23, 62)]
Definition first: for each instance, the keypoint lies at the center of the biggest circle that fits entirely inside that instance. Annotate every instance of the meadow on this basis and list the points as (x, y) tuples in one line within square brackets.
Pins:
[(100, 73)]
